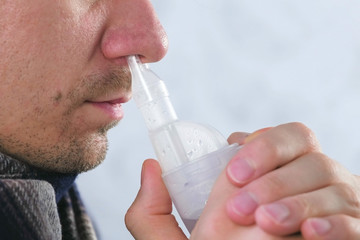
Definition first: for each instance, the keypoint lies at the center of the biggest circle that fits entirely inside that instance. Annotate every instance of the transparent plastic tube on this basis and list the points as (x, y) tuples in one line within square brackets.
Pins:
[(191, 155)]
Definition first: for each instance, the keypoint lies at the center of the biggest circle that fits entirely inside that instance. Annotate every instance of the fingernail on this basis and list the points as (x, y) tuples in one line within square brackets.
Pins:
[(320, 226), (277, 211), (240, 170), (244, 204)]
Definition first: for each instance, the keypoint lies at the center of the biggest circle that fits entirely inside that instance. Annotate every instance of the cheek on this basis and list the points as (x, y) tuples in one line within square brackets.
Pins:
[(28, 89), (47, 48)]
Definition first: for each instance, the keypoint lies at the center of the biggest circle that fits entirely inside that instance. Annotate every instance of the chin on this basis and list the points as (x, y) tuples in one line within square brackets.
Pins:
[(77, 156), (93, 155), (75, 152)]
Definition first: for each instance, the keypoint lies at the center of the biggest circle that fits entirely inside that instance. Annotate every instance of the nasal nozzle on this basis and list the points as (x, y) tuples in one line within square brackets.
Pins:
[(150, 95), (138, 81)]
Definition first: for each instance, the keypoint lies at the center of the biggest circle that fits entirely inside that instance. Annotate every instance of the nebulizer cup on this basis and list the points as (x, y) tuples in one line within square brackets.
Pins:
[(191, 155)]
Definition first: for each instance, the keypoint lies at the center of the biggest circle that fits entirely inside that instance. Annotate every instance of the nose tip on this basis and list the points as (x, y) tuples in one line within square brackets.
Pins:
[(134, 29), (156, 48)]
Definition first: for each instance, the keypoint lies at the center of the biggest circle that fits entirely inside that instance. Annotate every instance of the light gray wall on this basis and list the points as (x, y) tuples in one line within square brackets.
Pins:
[(240, 65)]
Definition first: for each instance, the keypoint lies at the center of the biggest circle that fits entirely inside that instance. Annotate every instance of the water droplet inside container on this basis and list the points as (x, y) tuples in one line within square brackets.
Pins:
[(196, 132)]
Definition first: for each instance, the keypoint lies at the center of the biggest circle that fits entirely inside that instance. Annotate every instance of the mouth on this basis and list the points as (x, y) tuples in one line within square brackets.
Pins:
[(109, 107), (102, 95)]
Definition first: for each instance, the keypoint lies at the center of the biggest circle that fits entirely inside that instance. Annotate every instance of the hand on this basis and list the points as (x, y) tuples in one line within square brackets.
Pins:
[(215, 223), (149, 217), (284, 181)]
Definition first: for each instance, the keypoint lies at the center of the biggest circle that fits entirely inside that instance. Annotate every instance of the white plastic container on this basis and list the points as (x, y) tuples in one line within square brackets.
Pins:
[(191, 155)]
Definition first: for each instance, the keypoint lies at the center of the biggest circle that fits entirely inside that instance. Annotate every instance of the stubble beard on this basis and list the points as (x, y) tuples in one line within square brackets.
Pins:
[(72, 155), (79, 155), (75, 151)]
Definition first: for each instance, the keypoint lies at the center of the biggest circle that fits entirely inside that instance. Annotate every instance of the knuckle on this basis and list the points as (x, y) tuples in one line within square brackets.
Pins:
[(300, 127), (307, 134), (130, 219), (326, 165)]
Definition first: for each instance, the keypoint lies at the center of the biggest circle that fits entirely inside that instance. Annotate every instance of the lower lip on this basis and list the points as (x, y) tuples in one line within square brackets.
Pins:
[(113, 110)]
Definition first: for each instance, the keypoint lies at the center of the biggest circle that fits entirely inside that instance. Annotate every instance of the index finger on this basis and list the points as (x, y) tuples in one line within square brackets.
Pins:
[(238, 137), (270, 150)]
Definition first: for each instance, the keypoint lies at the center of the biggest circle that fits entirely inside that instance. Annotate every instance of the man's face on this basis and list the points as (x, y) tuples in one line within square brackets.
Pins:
[(63, 75)]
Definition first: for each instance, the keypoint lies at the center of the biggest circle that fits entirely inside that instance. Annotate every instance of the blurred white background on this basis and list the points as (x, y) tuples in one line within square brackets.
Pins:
[(240, 65)]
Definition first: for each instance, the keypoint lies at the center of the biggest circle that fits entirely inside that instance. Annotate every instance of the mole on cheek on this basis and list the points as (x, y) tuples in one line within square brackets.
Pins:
[(57, 97)]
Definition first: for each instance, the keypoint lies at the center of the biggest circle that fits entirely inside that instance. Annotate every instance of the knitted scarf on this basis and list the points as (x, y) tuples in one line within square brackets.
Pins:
[(39, 205)]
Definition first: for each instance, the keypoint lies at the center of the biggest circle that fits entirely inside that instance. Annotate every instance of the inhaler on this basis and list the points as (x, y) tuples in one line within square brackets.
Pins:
[(191, 155)]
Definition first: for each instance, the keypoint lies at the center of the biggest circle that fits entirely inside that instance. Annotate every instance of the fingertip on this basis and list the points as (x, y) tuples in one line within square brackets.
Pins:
[(276, 218), (241, 207), (152, 163), (237, 137), (315, 228), (320, 226), (150, 169), (153, 197)]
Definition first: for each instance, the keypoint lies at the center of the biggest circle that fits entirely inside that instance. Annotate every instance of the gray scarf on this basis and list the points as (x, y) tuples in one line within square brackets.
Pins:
[(39, 205)]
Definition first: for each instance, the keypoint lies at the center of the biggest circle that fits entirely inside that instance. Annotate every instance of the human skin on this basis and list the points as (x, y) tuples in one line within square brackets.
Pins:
[(64, 76), (289, 169)]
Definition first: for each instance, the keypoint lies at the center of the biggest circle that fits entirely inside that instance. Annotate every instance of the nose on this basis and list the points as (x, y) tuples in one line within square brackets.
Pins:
[(133, 29)]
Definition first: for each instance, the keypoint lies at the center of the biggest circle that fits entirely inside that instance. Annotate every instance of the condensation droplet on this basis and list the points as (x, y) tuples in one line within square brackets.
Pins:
[(196, 132)]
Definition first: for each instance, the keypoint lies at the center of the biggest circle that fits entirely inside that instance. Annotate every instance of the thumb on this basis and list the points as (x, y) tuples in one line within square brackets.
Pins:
[(149, 217)]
